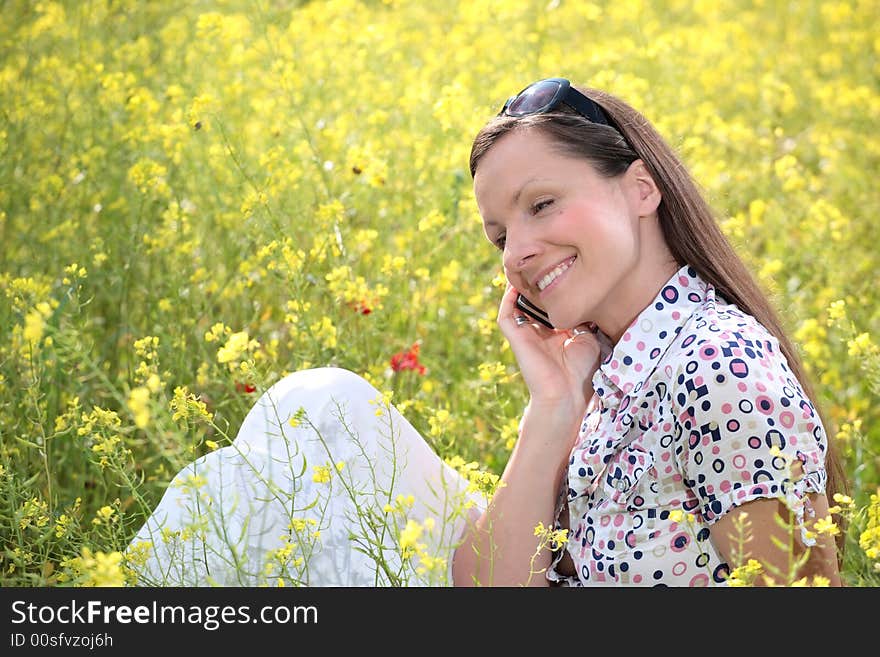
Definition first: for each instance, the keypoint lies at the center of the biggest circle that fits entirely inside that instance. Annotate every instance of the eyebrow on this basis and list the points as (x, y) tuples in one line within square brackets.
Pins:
[(516, 197)]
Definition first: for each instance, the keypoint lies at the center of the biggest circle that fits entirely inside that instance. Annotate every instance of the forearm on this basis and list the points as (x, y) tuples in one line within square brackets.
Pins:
[(501, 548), (772, 539)]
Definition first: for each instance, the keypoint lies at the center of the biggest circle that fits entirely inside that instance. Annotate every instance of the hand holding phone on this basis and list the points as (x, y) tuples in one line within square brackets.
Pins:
[(532, 311)]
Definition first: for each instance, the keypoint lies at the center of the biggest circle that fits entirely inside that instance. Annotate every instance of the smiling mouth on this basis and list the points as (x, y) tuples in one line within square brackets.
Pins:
[(560, 269)]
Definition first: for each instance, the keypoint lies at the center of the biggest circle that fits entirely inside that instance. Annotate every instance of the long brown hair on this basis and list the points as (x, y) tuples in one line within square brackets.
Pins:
[(687, 221)]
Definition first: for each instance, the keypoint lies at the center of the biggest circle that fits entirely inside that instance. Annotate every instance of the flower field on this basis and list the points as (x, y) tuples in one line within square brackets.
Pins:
[(198, 199)]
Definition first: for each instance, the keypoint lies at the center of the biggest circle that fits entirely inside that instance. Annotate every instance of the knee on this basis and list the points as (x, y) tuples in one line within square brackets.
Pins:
[(334, 379), (316, 391), (321, 384)]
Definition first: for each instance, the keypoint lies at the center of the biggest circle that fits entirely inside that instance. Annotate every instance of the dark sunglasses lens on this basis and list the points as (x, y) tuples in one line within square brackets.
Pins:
[(534, 99)]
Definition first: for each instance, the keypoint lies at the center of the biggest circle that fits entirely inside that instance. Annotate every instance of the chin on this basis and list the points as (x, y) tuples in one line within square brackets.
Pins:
[(566, 323), (563, 324)]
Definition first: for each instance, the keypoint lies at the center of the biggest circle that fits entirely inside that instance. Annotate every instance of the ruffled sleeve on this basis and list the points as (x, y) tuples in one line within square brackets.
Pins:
[(553, 575), (745, 428)]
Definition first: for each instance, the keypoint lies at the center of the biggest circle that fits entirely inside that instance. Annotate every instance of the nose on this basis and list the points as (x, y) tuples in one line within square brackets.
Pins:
[(519, 249)]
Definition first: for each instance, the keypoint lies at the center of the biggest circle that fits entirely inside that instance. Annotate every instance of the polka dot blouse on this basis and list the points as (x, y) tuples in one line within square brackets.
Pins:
[(695, 412)]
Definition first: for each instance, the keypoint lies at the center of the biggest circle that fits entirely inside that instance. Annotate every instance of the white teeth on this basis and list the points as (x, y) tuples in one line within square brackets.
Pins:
[(549, 278)]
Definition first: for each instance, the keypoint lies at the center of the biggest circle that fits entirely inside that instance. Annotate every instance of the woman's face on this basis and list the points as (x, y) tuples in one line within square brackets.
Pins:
[(571, 239)]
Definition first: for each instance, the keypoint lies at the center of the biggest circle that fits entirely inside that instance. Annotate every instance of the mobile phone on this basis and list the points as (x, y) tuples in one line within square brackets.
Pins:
[(533, 311)]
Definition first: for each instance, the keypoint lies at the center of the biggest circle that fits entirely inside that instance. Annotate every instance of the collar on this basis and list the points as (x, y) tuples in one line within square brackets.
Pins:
[(629, 363)]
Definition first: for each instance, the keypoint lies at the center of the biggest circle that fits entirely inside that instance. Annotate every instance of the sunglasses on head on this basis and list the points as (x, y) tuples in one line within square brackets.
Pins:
[(548, 94)]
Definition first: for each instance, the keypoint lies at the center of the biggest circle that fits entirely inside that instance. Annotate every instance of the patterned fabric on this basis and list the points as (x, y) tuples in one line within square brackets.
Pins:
[(696, 411)]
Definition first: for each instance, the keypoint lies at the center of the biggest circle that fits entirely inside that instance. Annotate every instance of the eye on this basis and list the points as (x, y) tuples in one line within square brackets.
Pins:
[(540, 205), (500, 241)]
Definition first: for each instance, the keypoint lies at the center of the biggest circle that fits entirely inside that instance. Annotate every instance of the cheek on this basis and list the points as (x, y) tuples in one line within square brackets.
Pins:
[(596, 226), (582, 226)]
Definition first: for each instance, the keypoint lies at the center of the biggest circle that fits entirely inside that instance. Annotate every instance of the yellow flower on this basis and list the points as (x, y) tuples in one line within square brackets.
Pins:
[(154, 383), (405, 501), (381, 402), (297, 418), (440, 422), (105, 514), (861, 346), (492, 372), (510, 433), (191, 483), (216, 332), (321, 474), (409, 538), (202, 106), (836, 311), (428, 563), (558, 538), (845, 500), (826, 526), (33, 327), (433, 220), (148, 175), (34, 513), (325, 331), (235, 346), (300, 524), (137, 554), (100, 569), (745, 575), (849, 430), (146, 347), (185, 406), (138, 404)]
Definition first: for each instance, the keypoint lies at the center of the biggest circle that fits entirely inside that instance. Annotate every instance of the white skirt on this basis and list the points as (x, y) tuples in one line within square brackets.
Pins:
[(350, 496)]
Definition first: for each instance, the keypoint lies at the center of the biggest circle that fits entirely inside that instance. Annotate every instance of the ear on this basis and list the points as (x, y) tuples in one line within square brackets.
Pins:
[(646, 193)]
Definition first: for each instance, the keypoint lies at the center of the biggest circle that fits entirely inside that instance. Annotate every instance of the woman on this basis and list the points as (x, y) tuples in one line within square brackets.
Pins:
[(692, 405), (666, 408)]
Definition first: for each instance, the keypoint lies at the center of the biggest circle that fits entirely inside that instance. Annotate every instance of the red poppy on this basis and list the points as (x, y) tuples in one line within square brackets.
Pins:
[(408, 360), (245, 387), (364, 307)]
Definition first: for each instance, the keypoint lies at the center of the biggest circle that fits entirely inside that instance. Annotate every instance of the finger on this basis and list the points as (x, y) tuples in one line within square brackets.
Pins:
[(507, 307), (510, 317)]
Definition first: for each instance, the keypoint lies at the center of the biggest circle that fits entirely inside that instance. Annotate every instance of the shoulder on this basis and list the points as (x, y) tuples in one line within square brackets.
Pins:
[(725, 363), (726, 371), (721, 343)]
